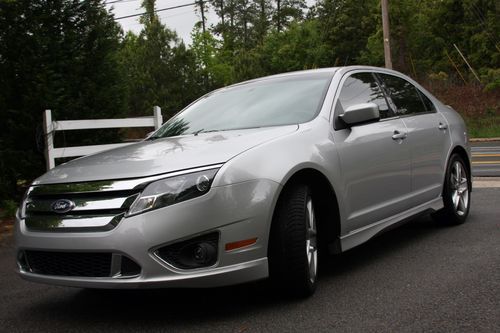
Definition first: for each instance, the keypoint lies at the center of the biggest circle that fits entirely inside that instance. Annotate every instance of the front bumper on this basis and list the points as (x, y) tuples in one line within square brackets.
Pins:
[(238, 212)]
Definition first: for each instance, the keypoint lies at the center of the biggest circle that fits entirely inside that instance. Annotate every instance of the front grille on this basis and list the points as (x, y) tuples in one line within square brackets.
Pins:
[(78, 264), (68, 264), (92, 206)]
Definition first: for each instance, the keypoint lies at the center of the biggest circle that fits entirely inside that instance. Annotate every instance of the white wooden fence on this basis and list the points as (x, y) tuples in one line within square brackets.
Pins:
[(51, 126)]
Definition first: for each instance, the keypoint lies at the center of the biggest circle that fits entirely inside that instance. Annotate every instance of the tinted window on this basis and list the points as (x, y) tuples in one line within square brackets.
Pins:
[(429, 106), (363, 88), (270, 102), (404, 95)]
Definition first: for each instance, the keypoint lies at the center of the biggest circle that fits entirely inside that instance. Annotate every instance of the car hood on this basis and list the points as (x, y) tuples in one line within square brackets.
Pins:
[(148, 158)]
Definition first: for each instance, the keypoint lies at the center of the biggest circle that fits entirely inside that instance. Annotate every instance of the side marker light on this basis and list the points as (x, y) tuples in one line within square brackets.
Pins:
[(240, 244)]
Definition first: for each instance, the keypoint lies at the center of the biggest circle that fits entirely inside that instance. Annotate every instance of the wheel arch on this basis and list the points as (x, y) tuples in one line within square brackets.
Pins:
[(325, 204), (462, 152)]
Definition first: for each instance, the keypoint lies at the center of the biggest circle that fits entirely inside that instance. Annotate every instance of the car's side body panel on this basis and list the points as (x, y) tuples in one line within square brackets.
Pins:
[(429, 146), (416, 198), (376, 172), (311, 148), (458, 131)]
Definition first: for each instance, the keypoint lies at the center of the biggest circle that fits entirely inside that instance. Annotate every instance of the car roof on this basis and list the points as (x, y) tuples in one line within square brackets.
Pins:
[(331, 70)]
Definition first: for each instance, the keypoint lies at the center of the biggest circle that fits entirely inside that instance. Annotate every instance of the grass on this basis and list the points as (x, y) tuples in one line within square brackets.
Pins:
[(486, 126), (480, 108)]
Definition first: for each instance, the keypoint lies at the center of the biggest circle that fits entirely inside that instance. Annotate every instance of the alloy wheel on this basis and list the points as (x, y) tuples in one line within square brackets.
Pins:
[(459, 188), (311, 241)]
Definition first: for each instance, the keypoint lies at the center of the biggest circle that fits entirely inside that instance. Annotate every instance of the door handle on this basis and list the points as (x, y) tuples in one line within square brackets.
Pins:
[(442, 126), (399, 135)]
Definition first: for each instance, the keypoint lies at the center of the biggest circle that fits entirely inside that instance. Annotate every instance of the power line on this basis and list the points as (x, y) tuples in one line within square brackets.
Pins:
[(118, 1), (159, 10), (477, 13), (178, 14)]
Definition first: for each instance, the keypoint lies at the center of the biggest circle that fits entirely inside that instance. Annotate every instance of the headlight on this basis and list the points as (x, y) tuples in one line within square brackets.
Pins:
[(168, 191)]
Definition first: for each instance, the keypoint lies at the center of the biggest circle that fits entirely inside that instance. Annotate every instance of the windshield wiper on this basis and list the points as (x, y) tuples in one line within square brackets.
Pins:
[(195, 133)]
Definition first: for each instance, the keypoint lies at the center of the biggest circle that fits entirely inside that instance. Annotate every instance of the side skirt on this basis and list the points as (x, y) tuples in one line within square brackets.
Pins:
[(361, 235)]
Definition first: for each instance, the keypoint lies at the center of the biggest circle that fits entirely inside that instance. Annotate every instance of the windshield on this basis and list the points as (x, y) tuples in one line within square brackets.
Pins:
[(271, 102)]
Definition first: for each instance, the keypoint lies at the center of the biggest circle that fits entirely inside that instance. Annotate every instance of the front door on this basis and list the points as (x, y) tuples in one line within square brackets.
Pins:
[(375, 157)]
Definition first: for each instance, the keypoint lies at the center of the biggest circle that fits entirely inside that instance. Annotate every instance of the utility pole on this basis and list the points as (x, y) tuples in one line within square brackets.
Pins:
[(202, 10), (204, 41), (385, 28), (278, 14)]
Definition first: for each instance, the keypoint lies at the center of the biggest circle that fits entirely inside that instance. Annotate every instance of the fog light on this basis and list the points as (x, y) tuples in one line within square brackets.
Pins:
[(204, 252), (196, 252)]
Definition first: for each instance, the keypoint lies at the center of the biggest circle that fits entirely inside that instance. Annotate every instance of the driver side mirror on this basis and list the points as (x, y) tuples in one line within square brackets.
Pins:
[(360, 113)]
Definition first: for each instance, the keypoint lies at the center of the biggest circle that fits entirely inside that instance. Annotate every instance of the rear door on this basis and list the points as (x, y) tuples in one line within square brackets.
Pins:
[(427, 136), (374, 157)]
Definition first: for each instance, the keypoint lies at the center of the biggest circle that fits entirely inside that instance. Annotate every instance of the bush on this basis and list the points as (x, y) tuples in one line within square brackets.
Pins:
[(492, 79), (9, 208)]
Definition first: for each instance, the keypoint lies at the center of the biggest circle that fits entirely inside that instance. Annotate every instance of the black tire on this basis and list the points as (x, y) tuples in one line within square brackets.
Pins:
[(291, 241), (452, 214)]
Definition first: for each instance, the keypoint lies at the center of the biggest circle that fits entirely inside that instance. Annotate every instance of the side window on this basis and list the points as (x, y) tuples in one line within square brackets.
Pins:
[(404, 95), (363, 88), (429, 106)]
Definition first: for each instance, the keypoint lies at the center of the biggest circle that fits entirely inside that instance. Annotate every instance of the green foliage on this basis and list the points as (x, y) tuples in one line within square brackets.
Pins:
[(9, 208), (159, 69), (297, 48), (441, 76), (59, 55), (72, 57), (345, 27), (487, 126), (491, 78), (209, 59)]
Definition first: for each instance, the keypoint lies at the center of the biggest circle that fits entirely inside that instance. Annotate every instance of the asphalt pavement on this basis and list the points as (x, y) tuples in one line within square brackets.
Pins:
[(486, 159), (418, 277)]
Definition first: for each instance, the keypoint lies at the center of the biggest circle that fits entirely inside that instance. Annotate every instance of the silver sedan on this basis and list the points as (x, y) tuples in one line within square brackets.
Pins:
[(248, 182)]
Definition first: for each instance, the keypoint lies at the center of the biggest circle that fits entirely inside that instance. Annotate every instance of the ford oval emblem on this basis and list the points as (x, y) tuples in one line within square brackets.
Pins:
[(62, 206)]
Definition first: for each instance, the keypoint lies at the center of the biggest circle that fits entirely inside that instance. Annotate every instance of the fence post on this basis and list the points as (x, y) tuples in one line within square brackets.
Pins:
[(158, 118), (49, 139)]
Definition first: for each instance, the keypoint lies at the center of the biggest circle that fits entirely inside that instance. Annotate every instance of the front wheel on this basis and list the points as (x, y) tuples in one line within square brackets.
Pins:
[(293, 247), (456, 193)]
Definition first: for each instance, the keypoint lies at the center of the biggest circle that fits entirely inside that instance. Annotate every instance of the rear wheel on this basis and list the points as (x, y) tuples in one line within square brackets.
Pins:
[(456, 193), (293, 247)]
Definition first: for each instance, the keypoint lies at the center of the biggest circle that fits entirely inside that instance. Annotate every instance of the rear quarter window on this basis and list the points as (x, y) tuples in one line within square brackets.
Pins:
[(429, 106), (406, 97)]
